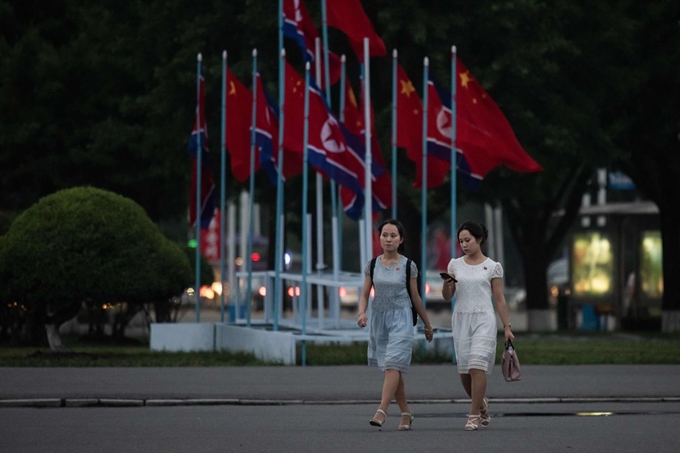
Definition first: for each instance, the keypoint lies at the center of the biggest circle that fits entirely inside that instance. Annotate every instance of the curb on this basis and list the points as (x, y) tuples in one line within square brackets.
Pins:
[(123, 402)]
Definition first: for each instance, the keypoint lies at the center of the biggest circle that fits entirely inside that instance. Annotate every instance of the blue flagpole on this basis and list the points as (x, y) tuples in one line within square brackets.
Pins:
[(454, 160), (394, 134), (278, 297), (327, 78), (305, 233), (343, 81), (368, 184), (454, 173), (251, 189), (199, 167), (423, 233), (223, 172)]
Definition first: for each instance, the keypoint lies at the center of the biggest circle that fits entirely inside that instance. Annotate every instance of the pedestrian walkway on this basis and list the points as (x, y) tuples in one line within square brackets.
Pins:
[(59, 387)]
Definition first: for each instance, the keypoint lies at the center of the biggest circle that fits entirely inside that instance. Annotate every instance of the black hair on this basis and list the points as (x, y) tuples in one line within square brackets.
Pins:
[(477, 230), (400, 229)]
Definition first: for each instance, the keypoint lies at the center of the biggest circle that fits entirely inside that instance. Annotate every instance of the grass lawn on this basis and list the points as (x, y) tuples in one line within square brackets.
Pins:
[(533, 349)]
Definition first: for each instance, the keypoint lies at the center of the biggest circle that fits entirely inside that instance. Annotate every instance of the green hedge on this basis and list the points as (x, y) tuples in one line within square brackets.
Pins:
[(87, 244)]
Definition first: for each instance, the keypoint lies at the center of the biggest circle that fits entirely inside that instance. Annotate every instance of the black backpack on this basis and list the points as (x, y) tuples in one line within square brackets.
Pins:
[(408, 286)]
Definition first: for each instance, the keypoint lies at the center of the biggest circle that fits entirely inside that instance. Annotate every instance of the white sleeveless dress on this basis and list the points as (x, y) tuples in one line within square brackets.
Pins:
[(474, 320)]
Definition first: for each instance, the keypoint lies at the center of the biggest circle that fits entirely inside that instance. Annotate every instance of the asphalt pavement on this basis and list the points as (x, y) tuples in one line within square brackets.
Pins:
[(63, 387), (594, 408)]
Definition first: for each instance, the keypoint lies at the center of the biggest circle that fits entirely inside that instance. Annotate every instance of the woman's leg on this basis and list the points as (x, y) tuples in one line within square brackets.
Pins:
[(467, 384), (478, 390), (400, 396), (392, 378)]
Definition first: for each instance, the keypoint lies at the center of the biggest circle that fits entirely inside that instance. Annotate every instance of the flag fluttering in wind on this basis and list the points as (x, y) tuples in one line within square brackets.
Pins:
[(239, 113), (332, 150), (354, 121), (483, 132), (349, 17), (439, 133), (267, 138), (208, 195), (410, 132), (299, 26)]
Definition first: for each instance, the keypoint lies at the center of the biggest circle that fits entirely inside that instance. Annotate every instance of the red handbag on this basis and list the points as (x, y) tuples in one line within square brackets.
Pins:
[(510, 363)]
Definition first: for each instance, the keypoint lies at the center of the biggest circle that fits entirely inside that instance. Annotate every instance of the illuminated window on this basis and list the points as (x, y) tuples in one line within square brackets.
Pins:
[(593, 270), (651, 265)]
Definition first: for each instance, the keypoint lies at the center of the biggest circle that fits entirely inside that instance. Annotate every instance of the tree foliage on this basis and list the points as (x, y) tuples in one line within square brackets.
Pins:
[(86, 245)]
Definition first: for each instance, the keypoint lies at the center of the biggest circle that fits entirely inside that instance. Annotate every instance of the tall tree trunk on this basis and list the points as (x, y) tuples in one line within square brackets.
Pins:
[(670, 236), (538, 235), (54, 338), (540, 316), (54, 318)]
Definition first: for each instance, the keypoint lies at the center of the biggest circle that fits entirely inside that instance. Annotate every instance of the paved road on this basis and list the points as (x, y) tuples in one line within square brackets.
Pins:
[(598, 408), (525, 428), (332, 383)]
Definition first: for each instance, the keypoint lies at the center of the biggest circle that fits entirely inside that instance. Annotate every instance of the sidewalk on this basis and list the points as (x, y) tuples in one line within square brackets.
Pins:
[(58, 387)]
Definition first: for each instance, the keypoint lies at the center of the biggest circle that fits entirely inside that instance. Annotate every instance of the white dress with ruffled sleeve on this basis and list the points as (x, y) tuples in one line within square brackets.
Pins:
[(474, 320)]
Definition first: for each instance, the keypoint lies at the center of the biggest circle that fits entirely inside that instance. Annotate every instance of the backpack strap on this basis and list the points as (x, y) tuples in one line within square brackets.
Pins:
[(372, 268), (408, 277)]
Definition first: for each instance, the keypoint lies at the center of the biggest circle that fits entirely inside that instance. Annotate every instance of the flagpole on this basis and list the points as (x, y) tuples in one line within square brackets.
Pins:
[(223, 172), (251, 189), (199, 167), (279, 193), (454, 160), (319, 204), (423, 199), (368, 186), (343, 81), (305, 183), (337, 235), (394, 134)]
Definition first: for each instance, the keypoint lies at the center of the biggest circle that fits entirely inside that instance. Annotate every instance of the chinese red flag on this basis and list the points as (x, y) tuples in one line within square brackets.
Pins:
[(239, 109), (483, 132), (410, 132), (349, 17)]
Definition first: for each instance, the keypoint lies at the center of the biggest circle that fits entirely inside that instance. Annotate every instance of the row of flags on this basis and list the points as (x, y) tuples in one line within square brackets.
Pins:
[(484, 138)]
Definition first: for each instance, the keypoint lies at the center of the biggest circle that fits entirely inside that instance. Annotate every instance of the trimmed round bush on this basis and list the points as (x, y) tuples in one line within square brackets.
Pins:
[(87, 244)]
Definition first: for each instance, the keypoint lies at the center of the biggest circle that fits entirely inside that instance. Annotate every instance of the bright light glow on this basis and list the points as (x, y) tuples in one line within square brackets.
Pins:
[(262, 291), (287, 258), (372, 293), (297, 291), (427, 288), (190, 291), (593, 414), (342, 292), (207, 292), (217, 288), (255, 257), (554, 291)]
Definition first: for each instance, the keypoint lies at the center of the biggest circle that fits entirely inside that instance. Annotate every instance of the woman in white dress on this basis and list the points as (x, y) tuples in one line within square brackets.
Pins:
[(391, 323), (475, 279)]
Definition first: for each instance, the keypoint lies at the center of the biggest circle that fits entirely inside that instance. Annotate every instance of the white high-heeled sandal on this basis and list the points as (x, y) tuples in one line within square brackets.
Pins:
[(470, 426), (410, 422), (375, 422), (484, 414)]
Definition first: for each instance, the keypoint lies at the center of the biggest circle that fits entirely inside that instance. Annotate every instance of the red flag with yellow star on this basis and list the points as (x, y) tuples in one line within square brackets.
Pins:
[(410, 132), (482, 131)]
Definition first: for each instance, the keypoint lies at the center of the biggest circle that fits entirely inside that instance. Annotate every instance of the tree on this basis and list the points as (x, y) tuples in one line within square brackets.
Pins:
[(644, 122), (87, 245)]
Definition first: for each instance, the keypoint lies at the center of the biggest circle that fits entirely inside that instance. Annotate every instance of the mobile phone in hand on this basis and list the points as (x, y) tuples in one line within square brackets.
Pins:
[(446, 276)]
